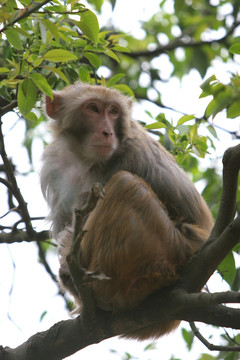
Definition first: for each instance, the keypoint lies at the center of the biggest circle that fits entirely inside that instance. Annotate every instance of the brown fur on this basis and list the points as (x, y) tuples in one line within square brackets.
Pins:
[(152, 219)]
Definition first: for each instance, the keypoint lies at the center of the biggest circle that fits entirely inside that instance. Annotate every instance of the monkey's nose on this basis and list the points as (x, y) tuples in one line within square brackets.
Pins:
[(107, 133)]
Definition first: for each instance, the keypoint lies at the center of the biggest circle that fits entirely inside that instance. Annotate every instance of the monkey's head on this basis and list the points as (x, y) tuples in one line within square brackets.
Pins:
[(95, 119)]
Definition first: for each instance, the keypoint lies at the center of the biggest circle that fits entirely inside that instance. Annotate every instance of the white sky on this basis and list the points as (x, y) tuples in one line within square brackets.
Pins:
[(33, 290)]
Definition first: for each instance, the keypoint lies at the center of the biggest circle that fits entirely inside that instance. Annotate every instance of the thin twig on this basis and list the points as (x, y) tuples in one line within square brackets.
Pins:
[(180, 42), (209, 345), (14, 186)]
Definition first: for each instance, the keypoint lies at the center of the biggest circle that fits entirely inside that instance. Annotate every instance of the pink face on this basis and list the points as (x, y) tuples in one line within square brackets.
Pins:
[(101, 120)]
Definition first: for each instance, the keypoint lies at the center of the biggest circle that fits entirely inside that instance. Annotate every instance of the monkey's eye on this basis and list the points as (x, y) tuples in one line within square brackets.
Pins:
[(114, 110), (93, 107)]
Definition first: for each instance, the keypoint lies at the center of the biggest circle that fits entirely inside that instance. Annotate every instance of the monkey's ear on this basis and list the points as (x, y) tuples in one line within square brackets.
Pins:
[(129, 102), (52, 105)]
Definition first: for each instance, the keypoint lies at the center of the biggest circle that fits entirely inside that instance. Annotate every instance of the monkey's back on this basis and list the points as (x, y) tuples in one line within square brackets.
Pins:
[(146, 254)]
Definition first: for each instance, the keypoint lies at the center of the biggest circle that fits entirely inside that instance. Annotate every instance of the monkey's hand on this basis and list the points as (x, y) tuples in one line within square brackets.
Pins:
[(95, 276)]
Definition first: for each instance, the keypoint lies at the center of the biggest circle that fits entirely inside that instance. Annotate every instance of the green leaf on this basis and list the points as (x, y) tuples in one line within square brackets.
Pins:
[(212, 106), (206, 85), (115, 79), (23, 32), (84, 74), (34, 60), (227, 269), (43, 315), (31, 116), (111, 54), (93, 59), (27, 96), (58, 72), (93, 48), (149, 114), (235, 49), (234, 110), (125, 90), (222, 100), (212, 131), (41, 82), (232, 355), (89, 25), (156, 125), (236, 283), (113, 3), (200, 60), (4, 70), (120, 49), (193, 132), (162, 118), (80, 43), (151, 346), (179, 5), (203, 94), (59, 55), (207, 357), (97, 4), (188, 337), (200, 144), (185, 118), (51, 27), (56, 8), (103, 81), (14, 39), (172, 136)]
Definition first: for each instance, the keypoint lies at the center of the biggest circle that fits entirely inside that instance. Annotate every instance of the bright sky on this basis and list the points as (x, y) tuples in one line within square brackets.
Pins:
[(33, 291)]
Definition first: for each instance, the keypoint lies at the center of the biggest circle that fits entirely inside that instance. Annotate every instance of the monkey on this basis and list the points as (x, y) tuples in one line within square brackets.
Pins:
[(151, 219)]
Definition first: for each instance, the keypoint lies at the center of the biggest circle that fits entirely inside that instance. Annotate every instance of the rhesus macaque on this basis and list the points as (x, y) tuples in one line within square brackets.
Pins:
[(151, 220)]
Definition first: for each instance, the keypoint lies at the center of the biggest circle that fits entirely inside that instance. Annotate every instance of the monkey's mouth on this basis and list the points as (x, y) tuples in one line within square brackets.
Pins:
[(103, 150)]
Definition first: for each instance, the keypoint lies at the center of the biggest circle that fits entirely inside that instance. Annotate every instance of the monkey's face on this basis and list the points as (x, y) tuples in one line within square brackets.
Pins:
[(100, 119), (94, 129), (94, 120)]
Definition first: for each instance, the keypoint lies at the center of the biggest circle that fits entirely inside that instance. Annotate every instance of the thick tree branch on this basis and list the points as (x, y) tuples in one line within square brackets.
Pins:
[(67, 337), (207, 299), (225, 235), (213, 315), (202, 265), (231, 166)]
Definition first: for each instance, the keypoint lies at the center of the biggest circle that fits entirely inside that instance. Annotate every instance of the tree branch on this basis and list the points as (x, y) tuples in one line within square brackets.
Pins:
[(17, 236), (224, 235), (9, 107), (179, 42), (14, 187), (231, 166), (79, 275), (209, 345), (24, 13), (67, 337), (216, 315)]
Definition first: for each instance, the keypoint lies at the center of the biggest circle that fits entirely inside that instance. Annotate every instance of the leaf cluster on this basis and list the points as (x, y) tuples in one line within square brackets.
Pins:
[(49, 48), (224, 97)]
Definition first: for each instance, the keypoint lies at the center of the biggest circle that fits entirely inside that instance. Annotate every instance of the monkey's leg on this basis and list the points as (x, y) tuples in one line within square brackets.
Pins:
[(128, 237)]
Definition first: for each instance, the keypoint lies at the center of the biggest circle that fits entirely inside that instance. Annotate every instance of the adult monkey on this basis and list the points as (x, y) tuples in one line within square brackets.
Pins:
[(151, 220)]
